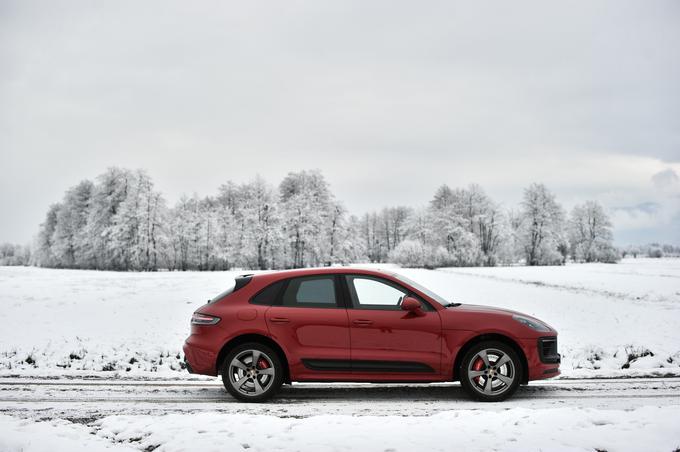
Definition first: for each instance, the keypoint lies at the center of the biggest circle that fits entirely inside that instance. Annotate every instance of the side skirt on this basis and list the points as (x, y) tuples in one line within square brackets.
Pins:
[(346, 365)]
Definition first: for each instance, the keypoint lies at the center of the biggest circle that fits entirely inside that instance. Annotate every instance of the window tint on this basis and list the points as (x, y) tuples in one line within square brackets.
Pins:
[(312, 291), (369, 293), (268, 295)]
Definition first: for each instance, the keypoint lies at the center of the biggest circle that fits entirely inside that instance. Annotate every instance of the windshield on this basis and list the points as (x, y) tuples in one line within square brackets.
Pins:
[(439, 299)]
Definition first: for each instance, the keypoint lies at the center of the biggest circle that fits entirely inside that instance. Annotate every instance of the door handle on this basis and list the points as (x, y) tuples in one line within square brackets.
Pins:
[(362, 322), (279, 320)]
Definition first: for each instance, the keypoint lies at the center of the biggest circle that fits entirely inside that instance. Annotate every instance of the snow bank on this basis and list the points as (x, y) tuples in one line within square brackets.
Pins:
[(613, 319), (514, 429)]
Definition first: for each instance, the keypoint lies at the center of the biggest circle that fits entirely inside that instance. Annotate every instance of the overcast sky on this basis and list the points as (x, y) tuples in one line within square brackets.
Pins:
[(389, 99)]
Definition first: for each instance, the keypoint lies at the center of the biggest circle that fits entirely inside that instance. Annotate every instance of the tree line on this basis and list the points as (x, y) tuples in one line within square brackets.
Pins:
[(121, 222)]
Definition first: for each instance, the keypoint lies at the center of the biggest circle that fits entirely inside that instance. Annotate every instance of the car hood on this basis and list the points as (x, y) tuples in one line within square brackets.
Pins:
[(476, 308), (474, 317)]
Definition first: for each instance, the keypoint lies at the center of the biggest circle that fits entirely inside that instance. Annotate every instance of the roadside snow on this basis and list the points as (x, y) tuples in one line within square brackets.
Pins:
[(613, 320), (514, 429), (20, 435)]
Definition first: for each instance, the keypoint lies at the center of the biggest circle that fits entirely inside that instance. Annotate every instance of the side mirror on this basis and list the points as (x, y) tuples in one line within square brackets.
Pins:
[(410, 304)]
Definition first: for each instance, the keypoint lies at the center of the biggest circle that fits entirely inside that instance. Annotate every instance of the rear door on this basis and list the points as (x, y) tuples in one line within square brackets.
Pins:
[(311, 323), (384, 338)]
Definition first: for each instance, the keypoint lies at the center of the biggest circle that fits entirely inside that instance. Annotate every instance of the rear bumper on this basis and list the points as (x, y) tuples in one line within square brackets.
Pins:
[(198, 359), (187, 364)]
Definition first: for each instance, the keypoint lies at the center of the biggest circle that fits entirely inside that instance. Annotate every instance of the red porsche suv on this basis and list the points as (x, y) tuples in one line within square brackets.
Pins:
[(343, 324)]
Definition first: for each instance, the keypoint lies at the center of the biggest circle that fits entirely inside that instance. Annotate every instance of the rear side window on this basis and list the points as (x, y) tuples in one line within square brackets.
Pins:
[(239, 282), (268, 295), (311, 291)]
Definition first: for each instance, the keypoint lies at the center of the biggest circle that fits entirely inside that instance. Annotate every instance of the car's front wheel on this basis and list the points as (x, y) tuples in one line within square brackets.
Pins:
[(252, 372), (490, 371)]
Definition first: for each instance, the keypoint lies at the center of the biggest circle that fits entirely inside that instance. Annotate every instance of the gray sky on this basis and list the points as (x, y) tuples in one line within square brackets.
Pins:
[(389, 99)]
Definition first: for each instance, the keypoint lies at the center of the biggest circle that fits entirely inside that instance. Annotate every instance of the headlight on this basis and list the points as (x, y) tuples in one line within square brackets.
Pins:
[(531, 323)]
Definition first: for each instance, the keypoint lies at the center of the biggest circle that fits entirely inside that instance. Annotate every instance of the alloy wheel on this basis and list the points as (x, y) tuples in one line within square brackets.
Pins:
[(251, 372), (491, 372)]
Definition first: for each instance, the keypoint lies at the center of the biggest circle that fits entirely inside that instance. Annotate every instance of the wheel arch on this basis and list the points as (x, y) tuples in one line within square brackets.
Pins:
[(253, 337), (491, 337)]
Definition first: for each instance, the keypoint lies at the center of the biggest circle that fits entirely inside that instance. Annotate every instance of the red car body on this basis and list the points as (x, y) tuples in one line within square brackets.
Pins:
[(362, 345)]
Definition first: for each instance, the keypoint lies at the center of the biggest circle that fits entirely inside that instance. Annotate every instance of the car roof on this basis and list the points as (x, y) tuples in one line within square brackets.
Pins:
[(319, 271), (264, 278)]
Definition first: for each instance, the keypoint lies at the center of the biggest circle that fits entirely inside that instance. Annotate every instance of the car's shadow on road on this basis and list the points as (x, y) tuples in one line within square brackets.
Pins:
[(406, 393)]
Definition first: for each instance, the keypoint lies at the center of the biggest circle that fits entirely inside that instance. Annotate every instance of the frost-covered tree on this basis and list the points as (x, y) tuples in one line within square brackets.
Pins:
[(69, 241), (590, 234), (394, 225), (44, 253), (468, 224), (383, 230), (376, 249), (541, 228), (110, 191), (134, 229), (184, 229), (415, 253), (349, 247), (120, 222), (259, 213), (15, 255), (410, 253), (306, 205), (150, 220), (336, 225)]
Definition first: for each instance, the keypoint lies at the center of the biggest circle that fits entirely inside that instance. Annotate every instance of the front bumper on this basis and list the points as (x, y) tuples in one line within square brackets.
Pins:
[(547, 350), (541, 362)]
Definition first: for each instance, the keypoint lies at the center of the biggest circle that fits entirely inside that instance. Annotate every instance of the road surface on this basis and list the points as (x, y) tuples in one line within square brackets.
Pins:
[(82, 400)]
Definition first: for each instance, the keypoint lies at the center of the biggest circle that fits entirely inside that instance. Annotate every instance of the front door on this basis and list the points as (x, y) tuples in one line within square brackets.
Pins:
[(386, 339)]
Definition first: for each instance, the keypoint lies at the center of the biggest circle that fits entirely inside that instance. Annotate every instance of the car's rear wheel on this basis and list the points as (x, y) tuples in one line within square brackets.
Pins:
[(252, 372), (490, 371)]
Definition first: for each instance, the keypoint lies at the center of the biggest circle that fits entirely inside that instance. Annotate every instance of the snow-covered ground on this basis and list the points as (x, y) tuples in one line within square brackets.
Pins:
[(70, 324), (613, 319), (514, 429)]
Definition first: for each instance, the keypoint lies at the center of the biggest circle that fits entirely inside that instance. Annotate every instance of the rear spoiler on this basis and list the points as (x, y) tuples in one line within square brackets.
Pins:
[(242, 280)]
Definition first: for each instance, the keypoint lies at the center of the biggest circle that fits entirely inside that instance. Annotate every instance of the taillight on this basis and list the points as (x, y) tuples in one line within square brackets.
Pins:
[(203, 319)]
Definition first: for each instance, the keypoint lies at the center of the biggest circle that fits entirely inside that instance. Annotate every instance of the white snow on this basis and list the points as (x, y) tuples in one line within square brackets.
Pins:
[(22, 435), (514, 429), (75, 322)]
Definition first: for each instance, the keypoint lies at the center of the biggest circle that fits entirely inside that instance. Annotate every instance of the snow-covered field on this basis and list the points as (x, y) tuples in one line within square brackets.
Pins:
[(613, 319)]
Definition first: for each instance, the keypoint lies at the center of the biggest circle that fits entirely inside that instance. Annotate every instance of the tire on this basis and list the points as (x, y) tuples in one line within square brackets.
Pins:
[(483, 379), (249, 383)]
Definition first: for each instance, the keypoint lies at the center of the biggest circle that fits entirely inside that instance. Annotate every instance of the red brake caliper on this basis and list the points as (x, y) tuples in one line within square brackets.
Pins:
[(262, 364), (478, 366)]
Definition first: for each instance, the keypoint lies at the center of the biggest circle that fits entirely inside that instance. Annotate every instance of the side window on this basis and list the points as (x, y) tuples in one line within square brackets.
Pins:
[(369, 293), (267, 296), (311, 291)]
